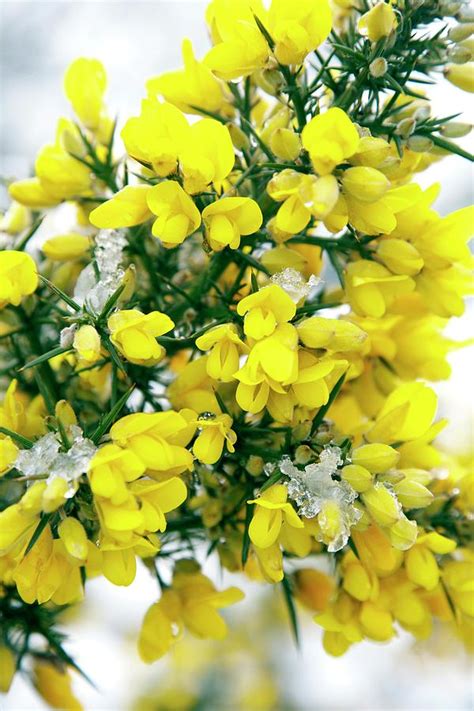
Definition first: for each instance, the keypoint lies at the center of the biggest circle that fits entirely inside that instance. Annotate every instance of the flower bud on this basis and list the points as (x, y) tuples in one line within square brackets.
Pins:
[(406, 127), (400, 257), (239, 139), (332, 334), (358, 477), (371, 152), (413, 495), (376, 623), (73, 535), (403, 533), (254, 465), (321, 196), (8, 454), (382, 505), (65, 414), (270, 80), (313, 588), (420, 144), (461, 32), (379, 22), (461, 75), (421, 567), (378, 67), (285, 144), (449, 9), (466, 14), (303, 454), (87, 343), (364, 183), (456, 129), (357, 582), (459, 54), (377, 458), (212, 513)]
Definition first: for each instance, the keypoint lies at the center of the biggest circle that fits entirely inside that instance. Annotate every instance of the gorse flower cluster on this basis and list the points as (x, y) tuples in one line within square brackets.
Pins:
[(226, 351)]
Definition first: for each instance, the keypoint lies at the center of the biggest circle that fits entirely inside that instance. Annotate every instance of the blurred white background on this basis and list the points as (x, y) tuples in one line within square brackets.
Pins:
[(136, 40)]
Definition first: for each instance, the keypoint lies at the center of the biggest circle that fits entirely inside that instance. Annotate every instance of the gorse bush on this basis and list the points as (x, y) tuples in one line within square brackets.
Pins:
[(225, 353)]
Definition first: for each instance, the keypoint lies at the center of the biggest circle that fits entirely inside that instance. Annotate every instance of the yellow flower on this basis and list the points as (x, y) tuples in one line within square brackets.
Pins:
[(285, 144), (227, 219), (135, 333), (192, 88), (379, 22), (156, 137), (365, 183), (53, 684), (214, 433), (298, 29), (303, 196), (32, 193), (226, 347), (87, 343), (420, 562), (240, 47), (400, 257), (264, 310), (85, 82), (18, 277), (191, 602), (15, 219), (156, 499), (110, 469), (377, 458), (178, 216), (313, 588), (72, 533), (151, 437), (271, 511), (126, 208), (7, 668), (63, 248), (330, 138), (406, 415), (371, 288), (459, 579), (8, 454), (331, 334), (207, 156)]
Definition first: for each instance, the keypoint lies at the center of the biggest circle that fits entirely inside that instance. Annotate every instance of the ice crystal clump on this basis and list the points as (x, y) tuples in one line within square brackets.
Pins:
[(314, 487), (294, 283), (66, 336), (46, 458), (96, 285)]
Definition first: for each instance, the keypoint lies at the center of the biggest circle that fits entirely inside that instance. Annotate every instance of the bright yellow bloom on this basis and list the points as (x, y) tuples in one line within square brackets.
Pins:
[(177, 215), (18, 277), (15, 219), (226, 347), (54, 685), (240, 47), (192, 88), (264, 310), (371, 288), (298, 29), (156, 499), (157, 136), (126, 208), (285, 144), (63, 248), (110, 469), (151, 437), (406, 415), (313, 588), (213, 434), (192, 603), (330, 138), (227, 219), (32, 193), (271, 511), (135, 333), (400, 257), (459, 580), (207, 156), (379, 22), (420, 563), (8, 454), (85, 82), (7, 668), (382, 505)]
